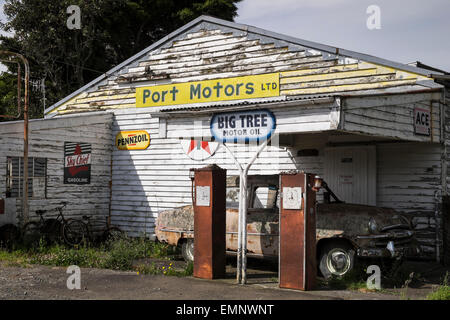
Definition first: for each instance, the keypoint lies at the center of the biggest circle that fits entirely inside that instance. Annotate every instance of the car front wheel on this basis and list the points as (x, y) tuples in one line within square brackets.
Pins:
[(187, 250), (336, 259)]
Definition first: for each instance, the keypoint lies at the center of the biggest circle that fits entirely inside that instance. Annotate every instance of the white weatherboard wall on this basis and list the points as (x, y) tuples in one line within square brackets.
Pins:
[(409, 175), (391, 115), (46, 140), (148, 181)]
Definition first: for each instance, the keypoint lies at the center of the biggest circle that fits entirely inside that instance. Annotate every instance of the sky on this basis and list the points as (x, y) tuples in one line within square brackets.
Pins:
[(410, 30)]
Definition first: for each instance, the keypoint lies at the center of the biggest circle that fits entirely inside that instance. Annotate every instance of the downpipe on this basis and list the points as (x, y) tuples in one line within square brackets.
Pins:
[(437, 225)]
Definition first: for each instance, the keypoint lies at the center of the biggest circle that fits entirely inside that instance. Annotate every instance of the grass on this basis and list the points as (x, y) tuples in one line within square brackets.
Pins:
[(393, 275), (442, 292), (167, 270), (117, 255), (353, 280)]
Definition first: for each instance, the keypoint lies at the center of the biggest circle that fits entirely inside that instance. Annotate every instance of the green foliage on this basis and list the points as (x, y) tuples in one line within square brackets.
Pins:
[(442, 292), (167, 270), (116, 255), (189, 271), (353, 280), (111, 32)]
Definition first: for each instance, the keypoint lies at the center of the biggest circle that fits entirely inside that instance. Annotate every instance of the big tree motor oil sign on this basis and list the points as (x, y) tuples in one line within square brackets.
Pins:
[(77, 163), (243, 126)]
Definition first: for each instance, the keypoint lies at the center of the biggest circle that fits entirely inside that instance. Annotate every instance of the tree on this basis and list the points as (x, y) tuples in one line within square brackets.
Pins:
[(111, 31)]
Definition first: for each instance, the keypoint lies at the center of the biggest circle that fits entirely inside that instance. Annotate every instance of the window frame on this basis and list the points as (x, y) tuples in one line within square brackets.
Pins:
[(10, 177)]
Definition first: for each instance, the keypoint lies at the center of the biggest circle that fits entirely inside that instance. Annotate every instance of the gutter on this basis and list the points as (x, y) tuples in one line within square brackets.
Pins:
[(208, 111)]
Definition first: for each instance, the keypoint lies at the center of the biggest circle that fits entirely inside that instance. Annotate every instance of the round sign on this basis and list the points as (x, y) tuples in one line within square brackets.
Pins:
[(199, 150), (243, 126)]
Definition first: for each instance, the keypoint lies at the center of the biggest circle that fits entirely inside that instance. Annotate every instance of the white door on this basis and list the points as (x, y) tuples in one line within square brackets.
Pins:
[(351, 173)]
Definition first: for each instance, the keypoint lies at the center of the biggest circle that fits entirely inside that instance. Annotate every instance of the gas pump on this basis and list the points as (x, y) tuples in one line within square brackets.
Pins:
[(209, 201), (297, 254)]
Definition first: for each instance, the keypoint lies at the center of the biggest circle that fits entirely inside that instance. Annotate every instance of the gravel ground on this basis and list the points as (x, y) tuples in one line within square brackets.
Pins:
[(43, 282)]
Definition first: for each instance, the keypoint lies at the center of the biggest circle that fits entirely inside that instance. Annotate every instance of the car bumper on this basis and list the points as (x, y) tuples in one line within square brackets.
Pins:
[(391, 244), (395, 252)]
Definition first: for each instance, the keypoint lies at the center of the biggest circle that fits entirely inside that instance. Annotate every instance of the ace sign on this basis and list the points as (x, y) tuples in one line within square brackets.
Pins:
[(422, 121)]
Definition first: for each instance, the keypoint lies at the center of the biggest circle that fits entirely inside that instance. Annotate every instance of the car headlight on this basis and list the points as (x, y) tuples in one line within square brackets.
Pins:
[(373, 226)]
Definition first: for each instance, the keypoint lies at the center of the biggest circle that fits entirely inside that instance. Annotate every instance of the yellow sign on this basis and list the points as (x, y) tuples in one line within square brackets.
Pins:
[(132, 140), (248, 87)]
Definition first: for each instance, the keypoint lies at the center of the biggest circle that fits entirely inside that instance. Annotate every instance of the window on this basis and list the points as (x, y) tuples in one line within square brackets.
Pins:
[(37, 181), (264, 197)]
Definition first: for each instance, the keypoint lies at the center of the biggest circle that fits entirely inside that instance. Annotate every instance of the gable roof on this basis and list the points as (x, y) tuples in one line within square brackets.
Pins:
[(258, 32)]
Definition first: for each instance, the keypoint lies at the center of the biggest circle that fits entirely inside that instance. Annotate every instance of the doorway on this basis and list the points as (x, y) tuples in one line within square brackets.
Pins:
[(351, 173)]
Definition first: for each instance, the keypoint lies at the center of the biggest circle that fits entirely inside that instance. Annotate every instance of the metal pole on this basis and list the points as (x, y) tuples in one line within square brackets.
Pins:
[(43, 92), (25, 143), (241, 274), (19, 89), (239, 255), (25, 134), (244, 211)]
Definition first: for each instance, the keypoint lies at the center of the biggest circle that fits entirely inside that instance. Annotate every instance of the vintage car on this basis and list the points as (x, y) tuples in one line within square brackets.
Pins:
[(344, 232)]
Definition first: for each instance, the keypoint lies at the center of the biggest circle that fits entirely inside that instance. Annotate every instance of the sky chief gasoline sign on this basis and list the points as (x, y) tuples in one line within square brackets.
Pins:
[(248, 87), (243, 126), (77, 163)]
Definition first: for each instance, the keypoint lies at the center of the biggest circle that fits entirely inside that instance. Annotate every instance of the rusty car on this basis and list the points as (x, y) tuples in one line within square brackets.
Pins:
[(344, 232)]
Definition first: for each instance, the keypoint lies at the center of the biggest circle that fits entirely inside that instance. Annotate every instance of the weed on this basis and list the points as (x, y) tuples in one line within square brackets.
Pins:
[(442, 292), (118, 254), (189, 269), (353, 280), (148, 269)]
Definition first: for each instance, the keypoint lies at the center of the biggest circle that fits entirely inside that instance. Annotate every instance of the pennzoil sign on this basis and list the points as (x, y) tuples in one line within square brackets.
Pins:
[(132, 140)]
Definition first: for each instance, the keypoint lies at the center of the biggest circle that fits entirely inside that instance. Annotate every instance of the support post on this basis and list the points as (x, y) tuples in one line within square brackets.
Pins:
[(241, 275)]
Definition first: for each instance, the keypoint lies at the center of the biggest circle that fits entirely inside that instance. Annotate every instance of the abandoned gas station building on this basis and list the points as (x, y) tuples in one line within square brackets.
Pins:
[(377, 131)]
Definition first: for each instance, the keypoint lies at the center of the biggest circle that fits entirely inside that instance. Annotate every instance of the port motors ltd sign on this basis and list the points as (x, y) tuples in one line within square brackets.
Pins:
[(243, 126), (247, 87)]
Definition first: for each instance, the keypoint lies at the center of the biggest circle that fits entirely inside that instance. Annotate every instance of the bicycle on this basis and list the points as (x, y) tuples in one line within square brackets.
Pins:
[(111, 233), (53, 229)]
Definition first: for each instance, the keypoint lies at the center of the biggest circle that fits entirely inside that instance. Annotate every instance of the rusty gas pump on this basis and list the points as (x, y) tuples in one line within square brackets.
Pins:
[(209, 201), (297, 255)]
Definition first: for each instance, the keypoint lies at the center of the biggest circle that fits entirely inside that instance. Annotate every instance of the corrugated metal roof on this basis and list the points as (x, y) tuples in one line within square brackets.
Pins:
[(239, 103)]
